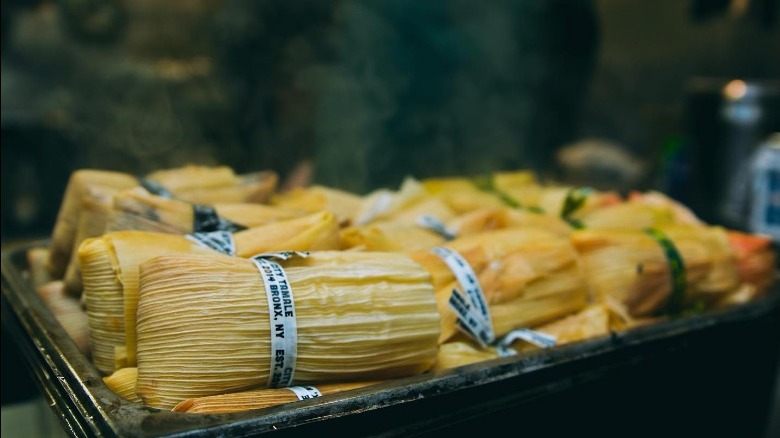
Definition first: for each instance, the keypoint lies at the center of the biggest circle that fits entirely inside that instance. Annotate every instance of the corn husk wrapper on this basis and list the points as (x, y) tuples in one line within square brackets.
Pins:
[(257, 399), (404, 206), (83, 184), (110, 274), (122, 382), (313, 232), (593, 321), (213, 184), (631, 267), (487, 219), (551, 199), (461, 195), (514, 180), (528, 276), (465, 195), (68, 312), (137, 209), (92, 223), (312, 199), (390, 236), (679, 213), (115, 284), (250, 188), (203, 325), (37, 260), (459, 353), (641, 211), (193, 176)]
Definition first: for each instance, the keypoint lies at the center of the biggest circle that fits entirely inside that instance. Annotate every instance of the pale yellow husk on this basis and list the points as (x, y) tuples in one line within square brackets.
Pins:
[(83, 184), (92, 223), (390, 236), (402, 206), (528, 275), (110, 274), (68, 311), (344, 205), (631, 267), (122, 382), (104, 302), (257, 399), (137, 209), (203, 326), (215, 184), (313, 232), (486, 219), (459, 353), (37, 259)]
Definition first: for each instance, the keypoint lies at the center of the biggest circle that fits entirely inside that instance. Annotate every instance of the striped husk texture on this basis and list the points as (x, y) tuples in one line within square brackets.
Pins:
[(203, 322), (528, 276), (257, 399), (110, 274)]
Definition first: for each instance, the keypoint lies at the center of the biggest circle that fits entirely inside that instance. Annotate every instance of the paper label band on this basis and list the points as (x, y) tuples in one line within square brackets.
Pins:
[(221, 241), (281, 315), (676, 269), (282, 255), (431, 223), (206, 219), (304, 392), (472, 313), (542, 340)]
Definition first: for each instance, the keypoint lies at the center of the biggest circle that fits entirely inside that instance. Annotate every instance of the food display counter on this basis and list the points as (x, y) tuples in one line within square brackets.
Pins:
[(709, 374)]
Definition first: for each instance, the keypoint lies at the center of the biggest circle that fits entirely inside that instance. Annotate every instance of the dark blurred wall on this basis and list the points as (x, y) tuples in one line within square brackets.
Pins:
[(652, 52), (370, 90)]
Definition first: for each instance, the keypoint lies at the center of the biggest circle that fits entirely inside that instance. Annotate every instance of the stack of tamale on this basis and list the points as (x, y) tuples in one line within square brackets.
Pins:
[(177, 321)]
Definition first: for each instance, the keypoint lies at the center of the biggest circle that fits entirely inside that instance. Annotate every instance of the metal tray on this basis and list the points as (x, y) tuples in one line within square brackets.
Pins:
[(706, 375)]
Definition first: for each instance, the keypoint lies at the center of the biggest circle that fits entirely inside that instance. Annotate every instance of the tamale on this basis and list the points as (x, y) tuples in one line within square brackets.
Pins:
[(37, 259), (509, 180), (203, 322), (641, 211), (257, 399), (755, 260), (594, 320), (82, 183), (313, 232), (466, 199), (193, 176), (343, 204), (68, 312), (110, 274), (680, 213), (137, 209), (390, 236), (459, 353), (528, 276), (405, 205), (122, 382), (92, 223), (634, 267), (250, 188), (117, 282), (486, 219)]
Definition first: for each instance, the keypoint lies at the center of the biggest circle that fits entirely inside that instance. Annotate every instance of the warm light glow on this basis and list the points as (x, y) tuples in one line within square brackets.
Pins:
[(735, 89)]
